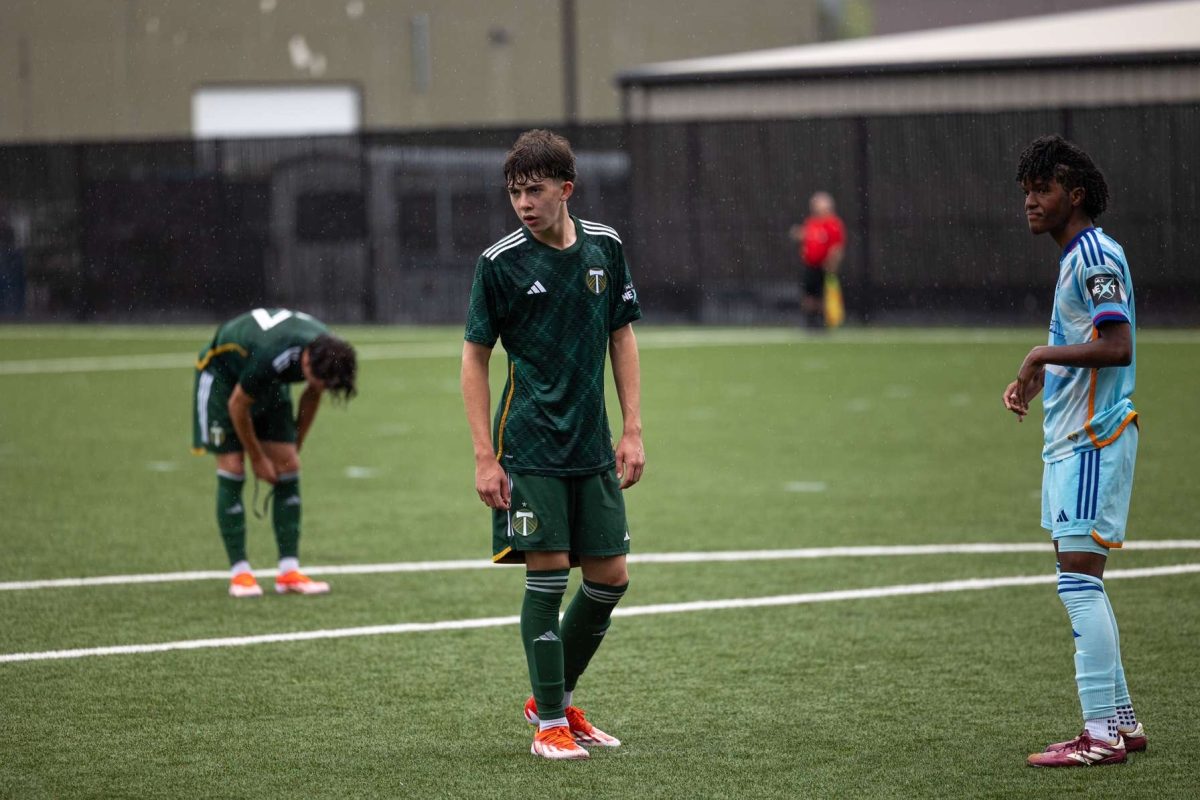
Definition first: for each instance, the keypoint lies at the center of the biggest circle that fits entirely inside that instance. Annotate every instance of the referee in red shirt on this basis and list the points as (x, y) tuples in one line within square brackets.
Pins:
[(822, 240)]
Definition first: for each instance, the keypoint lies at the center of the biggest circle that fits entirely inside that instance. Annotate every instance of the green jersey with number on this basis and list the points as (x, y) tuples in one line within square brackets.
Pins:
[(262, 347), (553, 310)]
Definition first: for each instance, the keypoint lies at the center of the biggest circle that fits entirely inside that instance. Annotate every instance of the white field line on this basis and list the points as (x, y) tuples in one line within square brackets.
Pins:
[(647, 339), (425, 333), (44, 366), (902, 590), (867, 551)]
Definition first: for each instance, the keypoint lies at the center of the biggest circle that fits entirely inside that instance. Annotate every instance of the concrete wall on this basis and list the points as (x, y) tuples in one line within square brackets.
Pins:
[(103, 69)]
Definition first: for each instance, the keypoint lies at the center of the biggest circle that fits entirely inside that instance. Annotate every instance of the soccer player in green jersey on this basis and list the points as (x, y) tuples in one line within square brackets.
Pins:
[(242, 407), (558, 295)]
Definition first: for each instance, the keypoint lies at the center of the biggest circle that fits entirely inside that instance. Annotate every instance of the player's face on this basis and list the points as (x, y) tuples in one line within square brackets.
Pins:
[(1048, 205), (540, 203)]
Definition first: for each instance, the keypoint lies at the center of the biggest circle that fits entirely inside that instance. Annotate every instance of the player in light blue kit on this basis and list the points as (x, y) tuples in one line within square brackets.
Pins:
[(1086, 374)]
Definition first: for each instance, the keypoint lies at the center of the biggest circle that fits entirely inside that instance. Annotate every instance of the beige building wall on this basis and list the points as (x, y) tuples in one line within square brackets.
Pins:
[(100, 69), (616, 35)]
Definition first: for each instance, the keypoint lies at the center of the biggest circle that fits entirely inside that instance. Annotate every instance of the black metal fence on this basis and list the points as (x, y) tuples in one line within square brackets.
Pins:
[(387, 227)]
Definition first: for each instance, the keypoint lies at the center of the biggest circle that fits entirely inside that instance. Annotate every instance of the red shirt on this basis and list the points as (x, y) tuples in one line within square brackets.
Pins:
[(818, 236)]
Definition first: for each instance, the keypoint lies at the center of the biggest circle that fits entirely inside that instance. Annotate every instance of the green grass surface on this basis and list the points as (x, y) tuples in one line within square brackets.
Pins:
[(755, 439)]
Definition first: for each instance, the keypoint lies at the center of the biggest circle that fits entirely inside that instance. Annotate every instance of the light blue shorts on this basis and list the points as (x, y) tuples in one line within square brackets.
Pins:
[(1085, 497)]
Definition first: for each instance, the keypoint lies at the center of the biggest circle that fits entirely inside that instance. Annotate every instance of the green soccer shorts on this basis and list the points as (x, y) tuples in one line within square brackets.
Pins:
[(583, 515), (212, 428)]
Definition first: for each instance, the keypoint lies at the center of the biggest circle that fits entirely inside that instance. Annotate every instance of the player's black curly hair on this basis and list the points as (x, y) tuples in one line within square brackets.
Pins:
[(1054, 157), (334, 361), (539, 154)]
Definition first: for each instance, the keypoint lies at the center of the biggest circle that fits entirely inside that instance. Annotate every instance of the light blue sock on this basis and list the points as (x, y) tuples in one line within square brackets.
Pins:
[(1095, 642), (1122, 690)]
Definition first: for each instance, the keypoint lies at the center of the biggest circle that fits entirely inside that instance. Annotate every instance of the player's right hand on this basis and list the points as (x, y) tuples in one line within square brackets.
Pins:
[(491, 483), (1014, 402), (264, 469)]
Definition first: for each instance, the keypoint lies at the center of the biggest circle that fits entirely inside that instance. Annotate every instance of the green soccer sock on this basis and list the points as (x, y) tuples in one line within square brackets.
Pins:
[(285, 514), (231, 515), (544, 590), (584, 626)]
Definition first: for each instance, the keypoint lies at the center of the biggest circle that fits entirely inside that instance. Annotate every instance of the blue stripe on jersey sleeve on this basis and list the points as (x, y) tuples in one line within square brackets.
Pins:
[(1085, 246), (1094, 248)]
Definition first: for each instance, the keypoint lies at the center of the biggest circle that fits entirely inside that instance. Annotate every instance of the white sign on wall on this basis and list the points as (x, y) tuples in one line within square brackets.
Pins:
[(251, 111)]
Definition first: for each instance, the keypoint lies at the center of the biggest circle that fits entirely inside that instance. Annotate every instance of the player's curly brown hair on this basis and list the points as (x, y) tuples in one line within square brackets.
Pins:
[(539, 155), (335, 363), (1052, 156)]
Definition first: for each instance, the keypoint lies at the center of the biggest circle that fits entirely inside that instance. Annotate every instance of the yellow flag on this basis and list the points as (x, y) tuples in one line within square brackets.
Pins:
[(835, 308)]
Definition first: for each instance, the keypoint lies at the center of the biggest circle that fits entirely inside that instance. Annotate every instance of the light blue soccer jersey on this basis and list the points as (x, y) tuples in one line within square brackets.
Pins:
[(1087, 409)]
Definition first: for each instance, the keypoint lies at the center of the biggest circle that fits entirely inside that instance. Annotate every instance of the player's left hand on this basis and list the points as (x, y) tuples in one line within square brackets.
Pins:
[(631, 460)]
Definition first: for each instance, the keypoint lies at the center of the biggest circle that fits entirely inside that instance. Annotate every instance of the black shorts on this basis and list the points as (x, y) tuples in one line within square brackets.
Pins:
[(813, 282)]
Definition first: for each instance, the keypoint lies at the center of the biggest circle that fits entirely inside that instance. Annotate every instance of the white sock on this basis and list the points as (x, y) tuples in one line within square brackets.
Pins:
[(546, 724), (239, 568), (288, 564), (567, 698), (1102, 728)]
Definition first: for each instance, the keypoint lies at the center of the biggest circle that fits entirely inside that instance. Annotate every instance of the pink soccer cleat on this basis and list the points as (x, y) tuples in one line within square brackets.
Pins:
[(1082, 751)]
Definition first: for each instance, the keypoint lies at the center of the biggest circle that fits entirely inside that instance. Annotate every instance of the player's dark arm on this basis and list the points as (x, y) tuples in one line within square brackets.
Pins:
[(491, 483), (1112, 347), (239, 411), (627, 375), (306, 412)]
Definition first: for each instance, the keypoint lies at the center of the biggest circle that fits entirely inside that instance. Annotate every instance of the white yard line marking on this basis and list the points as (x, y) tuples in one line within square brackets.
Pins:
[(360, 473), (648, 339), (805, 486), (969, 584), (44, 366), (864, 551)]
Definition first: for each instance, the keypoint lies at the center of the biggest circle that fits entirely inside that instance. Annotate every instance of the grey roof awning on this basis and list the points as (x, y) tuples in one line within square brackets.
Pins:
[(1151, 32)]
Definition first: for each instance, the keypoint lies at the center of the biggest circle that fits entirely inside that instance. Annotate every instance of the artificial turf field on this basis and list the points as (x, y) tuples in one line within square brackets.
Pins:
[(757, 440)]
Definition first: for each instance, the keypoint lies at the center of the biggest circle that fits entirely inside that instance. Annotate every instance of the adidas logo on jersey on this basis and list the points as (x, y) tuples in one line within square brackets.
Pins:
[(1062, 516), (537, 288)]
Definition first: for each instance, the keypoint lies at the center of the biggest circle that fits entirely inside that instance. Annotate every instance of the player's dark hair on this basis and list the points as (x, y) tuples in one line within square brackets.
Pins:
[(1054, 157), (335, 363), (539, 155)]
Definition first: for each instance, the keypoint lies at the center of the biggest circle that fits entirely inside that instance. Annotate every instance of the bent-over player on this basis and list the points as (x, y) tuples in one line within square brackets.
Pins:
[(242, 408)]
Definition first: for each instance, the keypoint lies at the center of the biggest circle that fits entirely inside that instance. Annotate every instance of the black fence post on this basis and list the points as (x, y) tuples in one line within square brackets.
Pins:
[(370, 303), (692, 138), (866, 299)]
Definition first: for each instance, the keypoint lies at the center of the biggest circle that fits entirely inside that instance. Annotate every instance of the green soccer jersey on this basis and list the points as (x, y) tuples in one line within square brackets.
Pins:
[(262, 347), (553, 310)]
